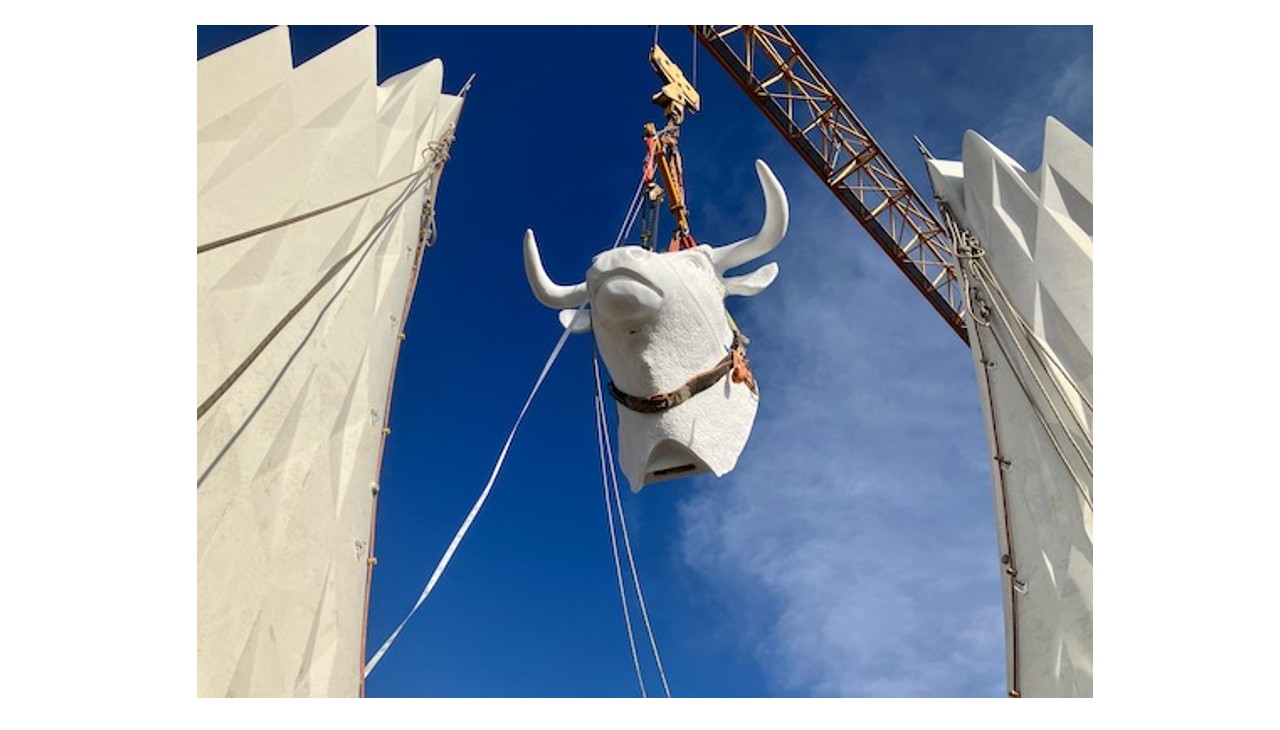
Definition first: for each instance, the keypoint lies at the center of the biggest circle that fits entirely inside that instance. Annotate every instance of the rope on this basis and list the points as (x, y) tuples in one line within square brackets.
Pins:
[(693, 39), (1041, 346), (378, 228), (622, 519), (984, 278), (440, 152), (502, 456), (475, 509), (990, 284), (967, 250), (311, 214), (601, 428), (1010, 555), (1045, 424), (970, 251), (633, 212), (605, 447)]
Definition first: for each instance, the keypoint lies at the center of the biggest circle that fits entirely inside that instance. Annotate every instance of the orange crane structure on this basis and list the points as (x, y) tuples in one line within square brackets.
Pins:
[(782, 80), (1036, 402)]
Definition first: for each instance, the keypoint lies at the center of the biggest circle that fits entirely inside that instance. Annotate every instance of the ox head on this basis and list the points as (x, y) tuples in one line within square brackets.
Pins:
[(659, 319)]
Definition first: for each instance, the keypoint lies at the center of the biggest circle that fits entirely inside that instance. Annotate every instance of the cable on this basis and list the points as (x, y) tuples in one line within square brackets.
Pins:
[(694, 38), (484, 494), (986, 285), (601, 428), (982, 275), (475, 509), (605, 447), (1041, 346), (439, 146), (990, 284), (635, 577), (311, 214), (1084, 493), (633, 212), (377, 229)]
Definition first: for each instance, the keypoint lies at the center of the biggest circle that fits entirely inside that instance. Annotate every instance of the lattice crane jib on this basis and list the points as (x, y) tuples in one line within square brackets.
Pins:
[(783, 81)]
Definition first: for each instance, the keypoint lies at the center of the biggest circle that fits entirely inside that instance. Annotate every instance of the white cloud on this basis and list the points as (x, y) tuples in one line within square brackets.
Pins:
[(1062, 86), (855, 543), (858, 524)]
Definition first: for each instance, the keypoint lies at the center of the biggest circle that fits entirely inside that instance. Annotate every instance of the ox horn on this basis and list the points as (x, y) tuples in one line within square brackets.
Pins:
[(547, 291), (771, 233)]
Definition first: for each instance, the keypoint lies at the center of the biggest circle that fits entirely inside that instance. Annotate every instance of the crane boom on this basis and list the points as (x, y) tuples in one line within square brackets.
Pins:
[(780, 78)]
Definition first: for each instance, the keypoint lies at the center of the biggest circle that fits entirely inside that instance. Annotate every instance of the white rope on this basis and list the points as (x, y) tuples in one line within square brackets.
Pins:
[(977, 276), (633, 212), (981, 275), (1044, 424), (1041, 347), (694, 37), (365, 245), (990, 284), (601, 428), (622, 519), (628, 221), (602, 425), (466, 525)]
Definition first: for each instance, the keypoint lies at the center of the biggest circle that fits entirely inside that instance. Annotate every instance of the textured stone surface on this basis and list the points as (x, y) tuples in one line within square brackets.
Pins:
[(659, 319), (286, 458), (688, 334), (1035, 378)]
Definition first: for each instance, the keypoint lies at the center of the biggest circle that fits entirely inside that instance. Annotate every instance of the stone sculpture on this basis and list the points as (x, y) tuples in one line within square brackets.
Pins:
[(660, 322)]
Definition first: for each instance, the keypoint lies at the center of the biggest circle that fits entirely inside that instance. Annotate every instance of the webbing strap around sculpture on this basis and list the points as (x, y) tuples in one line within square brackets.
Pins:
[(695, 385), (666, 401)]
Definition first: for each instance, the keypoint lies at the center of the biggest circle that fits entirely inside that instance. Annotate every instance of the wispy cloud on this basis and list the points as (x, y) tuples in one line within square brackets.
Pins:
[(1065, 91), (854, 546), (937, 82), (856, 534)]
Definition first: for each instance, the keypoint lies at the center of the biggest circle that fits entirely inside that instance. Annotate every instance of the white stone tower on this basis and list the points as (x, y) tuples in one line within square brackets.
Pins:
[(298, 330), (1025, 246)]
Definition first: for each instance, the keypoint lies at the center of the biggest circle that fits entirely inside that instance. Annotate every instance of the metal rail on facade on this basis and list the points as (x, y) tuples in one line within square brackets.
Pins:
[(781, 79)]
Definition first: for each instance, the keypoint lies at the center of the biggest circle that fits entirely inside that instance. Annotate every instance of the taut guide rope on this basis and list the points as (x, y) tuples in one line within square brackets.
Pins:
[(632, 210)]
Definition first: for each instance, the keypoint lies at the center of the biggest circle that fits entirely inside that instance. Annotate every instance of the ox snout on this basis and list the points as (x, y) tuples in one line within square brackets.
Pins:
[(625, 299)]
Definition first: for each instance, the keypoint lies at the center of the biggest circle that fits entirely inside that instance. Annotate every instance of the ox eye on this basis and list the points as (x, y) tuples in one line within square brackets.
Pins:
[(701, 260)]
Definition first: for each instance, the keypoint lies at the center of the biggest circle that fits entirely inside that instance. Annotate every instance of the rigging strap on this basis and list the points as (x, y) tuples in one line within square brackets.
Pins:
[(475, 509), (735, 360), (628, 220)]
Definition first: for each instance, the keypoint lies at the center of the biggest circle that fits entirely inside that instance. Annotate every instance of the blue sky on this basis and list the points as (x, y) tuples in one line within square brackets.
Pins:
[(852, 552), (99, 509)]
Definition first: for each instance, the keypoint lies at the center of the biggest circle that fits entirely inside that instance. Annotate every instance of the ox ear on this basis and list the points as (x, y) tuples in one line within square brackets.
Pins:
[(576, 321), (753, 283)]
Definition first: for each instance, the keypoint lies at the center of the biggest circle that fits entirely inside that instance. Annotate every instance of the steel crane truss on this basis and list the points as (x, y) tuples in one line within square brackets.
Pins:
[(787, 86)]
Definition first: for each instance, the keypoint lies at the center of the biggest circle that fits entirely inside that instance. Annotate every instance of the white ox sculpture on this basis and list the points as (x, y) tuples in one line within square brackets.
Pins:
[(660, 319)]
